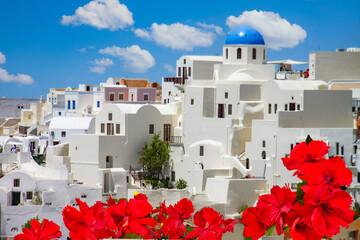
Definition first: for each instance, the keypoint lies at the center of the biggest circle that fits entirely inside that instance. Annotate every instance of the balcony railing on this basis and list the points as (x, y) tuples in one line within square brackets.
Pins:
[(175, 140), (175, 80)]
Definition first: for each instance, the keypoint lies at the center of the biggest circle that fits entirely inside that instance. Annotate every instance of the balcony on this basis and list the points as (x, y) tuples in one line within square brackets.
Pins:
[(175, 140), (175, 80)]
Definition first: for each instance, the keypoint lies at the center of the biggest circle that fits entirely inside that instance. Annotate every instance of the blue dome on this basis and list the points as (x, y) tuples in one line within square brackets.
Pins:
[(244, 35)]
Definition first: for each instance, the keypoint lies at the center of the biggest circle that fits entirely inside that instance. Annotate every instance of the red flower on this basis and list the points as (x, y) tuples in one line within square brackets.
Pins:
[(208, 222), (160, 216), (45, 231), (129, 217), (275, 206), (303, 153), (332, 173), (300, 229), (253, 227), (174, 224), (330, 210), (88, 223)]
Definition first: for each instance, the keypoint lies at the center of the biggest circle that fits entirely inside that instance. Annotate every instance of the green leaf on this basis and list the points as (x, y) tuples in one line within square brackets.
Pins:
[(343, 188), (269, 230), (133, 236), (300, 193), (308, 139), (247, 238)]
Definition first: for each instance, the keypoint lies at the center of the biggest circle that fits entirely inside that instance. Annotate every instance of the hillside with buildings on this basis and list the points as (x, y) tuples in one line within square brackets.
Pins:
[(228, 119)]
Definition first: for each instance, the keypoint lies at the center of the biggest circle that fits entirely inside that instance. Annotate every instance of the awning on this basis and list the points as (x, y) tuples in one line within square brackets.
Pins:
[(288, 62)]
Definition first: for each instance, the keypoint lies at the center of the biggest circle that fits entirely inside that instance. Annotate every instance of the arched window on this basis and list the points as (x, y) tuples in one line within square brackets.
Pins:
[(239, 53), (263, 155), (254, 53), (227, 53)]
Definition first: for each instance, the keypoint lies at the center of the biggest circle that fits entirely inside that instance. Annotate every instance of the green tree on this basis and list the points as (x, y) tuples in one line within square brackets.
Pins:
[(155, 156)]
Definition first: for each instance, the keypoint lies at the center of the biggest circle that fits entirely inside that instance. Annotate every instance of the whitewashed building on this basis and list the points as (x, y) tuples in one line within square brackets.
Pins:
[(61, 128)]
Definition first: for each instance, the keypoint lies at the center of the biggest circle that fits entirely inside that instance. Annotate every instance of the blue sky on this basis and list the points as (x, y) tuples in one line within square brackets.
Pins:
[(55, 44)]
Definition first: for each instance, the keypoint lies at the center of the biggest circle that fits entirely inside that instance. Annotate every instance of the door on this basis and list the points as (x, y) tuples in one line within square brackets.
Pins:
[(167, 132), (292, 106), (15, 198), (221, 113), (110, 129)]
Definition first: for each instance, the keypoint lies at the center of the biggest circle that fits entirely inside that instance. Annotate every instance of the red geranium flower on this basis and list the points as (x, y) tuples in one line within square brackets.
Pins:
[(275, 206), (88, 223), (253, 227), (332, 173), (45, 231), (208, 222), (159, 214), (303, 153), (174, 224), (300, 229), (330, 210), (129, 217)]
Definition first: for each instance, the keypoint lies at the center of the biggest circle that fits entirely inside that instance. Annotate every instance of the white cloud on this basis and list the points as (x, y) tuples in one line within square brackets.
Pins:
[(104, 62), (110, 14), (180, 36), (135, 59), (83, 50), (2, 58), (170, 68), (20, 78), (217, 29), (98, 69), (277, 32)]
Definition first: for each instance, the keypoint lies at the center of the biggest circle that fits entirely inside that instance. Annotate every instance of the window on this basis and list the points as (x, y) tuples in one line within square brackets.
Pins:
[(263, 155), (102, 128), (110, 129), (88, 88), (151, 128), (16, 182), (110, 116), (227, 53), (285, 107), (179, 71), (269, 108), (169, 93), (275, 108), (342, 150), (121, 96), (98, 104), (29, 117), (189, 71), (201, 150), (118, 128), (226, 95), (239, 53), (264, 53), (292, 106), (247, 163), (230, 109), (184, 61), (254, 53), (112, 97), (59, 113), (164, 101), (353, 109), (63, 134), (146, 97), (337, 144), (69, 104), (191, 101), (298, 107), (291, 147), (73, 104), (263, 144), (29, 195)]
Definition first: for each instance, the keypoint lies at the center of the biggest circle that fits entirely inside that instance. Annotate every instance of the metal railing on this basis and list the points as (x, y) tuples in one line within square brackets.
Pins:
[(175, 140)]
